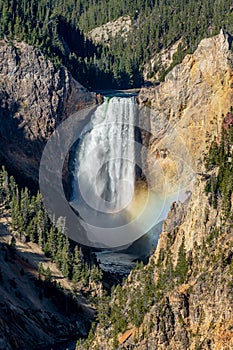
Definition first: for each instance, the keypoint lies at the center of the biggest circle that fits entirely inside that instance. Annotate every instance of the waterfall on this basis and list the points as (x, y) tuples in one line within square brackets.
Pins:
[(105, 158), (108, 208)]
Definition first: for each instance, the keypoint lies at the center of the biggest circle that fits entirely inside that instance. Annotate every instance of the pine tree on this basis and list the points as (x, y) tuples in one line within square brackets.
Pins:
[(48, 275), (1, 278), (65, 264), (40, 228), (96, 274), (40, 270), (77, 265), (31, 230), (181, 269), (52, 243)]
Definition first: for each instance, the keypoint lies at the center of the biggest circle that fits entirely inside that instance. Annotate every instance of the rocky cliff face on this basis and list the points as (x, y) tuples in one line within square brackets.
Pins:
[(161, 60), (187, 106), (190, 313), (35, 97), (194, 313), (109, 30), (183, 298), (33, 314)]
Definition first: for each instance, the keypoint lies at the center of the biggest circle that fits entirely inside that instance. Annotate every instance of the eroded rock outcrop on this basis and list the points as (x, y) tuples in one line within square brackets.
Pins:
[(187, 106), (183, 298), (189, 303), (35, 97), (109, 30), (198, 312)]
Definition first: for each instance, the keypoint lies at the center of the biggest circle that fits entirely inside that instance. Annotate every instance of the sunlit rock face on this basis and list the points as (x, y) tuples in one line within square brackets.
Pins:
[(187, 106), (198, 312)]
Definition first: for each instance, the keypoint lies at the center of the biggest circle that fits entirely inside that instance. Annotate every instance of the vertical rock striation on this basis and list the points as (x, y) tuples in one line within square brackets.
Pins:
[(185, 107)]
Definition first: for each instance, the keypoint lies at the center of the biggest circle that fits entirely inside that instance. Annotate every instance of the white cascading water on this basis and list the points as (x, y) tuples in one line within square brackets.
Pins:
[(105, 159), (114, 210)]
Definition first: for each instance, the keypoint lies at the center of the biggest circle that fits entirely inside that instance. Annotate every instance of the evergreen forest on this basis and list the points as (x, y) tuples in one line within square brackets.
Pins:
[(60, 28)]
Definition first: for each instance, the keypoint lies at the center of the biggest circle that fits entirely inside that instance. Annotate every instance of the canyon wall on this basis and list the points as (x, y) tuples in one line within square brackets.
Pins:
[(35, 97), (185, 109), (182, 299)]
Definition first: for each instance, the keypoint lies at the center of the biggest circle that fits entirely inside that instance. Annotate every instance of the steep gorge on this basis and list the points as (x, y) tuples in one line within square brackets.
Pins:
[(196, 312), (183, 298)]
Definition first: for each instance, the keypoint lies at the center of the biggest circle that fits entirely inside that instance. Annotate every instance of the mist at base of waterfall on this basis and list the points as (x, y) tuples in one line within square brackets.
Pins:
[(105, 193)]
